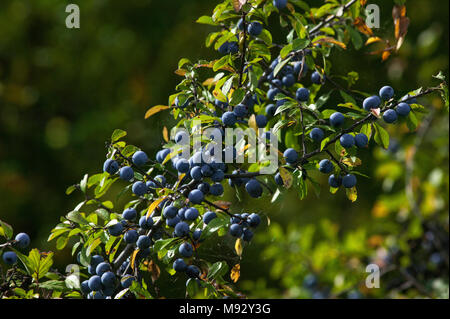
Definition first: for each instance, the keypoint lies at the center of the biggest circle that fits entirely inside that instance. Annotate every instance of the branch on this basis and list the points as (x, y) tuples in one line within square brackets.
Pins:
[(343, 168), (370, 117), (331, 18), (243, 175)]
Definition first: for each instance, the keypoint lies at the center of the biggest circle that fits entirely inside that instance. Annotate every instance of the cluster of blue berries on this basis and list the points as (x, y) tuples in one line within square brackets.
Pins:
[(22, 240), (390, 115), (286, 78), (103, 282), (347, 141), (241, 225), (204, 175)]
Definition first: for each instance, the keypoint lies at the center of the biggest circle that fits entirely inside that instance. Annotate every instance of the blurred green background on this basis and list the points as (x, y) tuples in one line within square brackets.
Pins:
[(63, 91)]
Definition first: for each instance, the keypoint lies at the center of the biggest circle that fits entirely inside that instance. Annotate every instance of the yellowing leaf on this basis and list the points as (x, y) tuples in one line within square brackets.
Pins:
[(290, 8), (165, 134), (180, 72), (155, 110), (92, 246), (401, 22), (238, 247), (373, 40), (237, 4), (222, 204), (230, 94), (243, 149), (218, 94), (180, 178), (286, 176), (209, 81), (133, 257), (171, 155), (385, 55), (235, 273), (152, 207), (351, 161), (153, 268), (351, 193), (362, 27), (331, 40), (252, 123)]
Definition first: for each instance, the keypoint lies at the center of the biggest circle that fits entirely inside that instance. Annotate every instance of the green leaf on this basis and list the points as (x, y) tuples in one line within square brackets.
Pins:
[(76, 217), (45, 265), (301, 4), (104, 185), (102, 213), (53, 285), (217, 270), (324, 142), (227, 85), (206, 20), (339, 149), (285, 106), (411, 121), (322, 100), (300, 44), (92, 246), (323, 10), (285, 50), (266, 37), (300, 184), (223, 61), (280, 66), (237, 97), (57, 232), (214, 226), (38, 265), (113, 252), (6, 230), (347, 97), (356, 38), (367, 130), (182, 62), (328, 30), (83, 183), (127, 152), (117, 135), (279, 125), (163, 243), (25, 261), (109, 244), (71, 189), (192, 287), (61, 242), (381, 136)]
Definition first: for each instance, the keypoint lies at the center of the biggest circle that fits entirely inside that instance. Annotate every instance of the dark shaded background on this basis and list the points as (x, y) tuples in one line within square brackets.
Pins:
[(62, 93)]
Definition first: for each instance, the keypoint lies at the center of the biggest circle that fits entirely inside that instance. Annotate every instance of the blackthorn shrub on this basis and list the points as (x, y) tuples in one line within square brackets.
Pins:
[(175, 203)]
